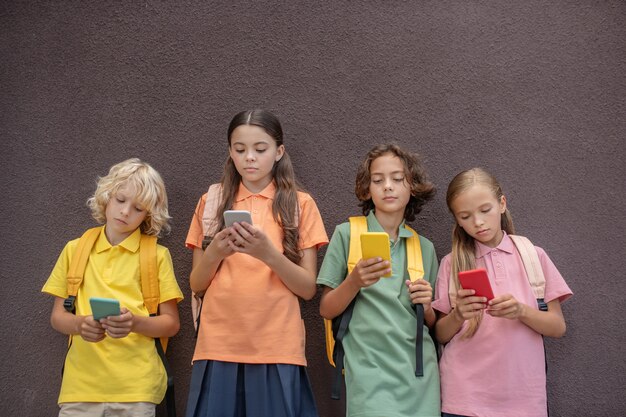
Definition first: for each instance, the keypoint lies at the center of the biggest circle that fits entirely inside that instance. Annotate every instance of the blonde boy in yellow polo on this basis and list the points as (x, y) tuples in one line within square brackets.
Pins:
[(112, 366)]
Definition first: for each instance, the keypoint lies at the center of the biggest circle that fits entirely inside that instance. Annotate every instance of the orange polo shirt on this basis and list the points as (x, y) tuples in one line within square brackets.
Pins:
[(248, 314)]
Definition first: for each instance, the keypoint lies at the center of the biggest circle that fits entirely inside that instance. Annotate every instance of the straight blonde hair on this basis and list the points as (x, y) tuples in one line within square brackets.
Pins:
[(463, 255)]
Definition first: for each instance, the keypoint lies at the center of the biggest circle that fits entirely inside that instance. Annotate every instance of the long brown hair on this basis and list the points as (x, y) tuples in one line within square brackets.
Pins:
[(463, 255), (285, 205)]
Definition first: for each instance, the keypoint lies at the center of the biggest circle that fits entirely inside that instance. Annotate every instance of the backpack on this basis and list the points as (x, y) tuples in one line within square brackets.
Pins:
[(337, 328), (149, 287), (532, 265), (209, 228)]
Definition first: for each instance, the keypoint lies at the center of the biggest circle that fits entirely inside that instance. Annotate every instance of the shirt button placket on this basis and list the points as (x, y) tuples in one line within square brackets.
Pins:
[(497, 266)]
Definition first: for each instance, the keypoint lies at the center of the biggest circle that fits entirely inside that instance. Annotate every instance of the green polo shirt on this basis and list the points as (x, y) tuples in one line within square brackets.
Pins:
[(380, 343)]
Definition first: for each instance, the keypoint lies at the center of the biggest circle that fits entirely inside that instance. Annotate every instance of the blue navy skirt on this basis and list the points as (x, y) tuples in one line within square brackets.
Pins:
[(227, 389)]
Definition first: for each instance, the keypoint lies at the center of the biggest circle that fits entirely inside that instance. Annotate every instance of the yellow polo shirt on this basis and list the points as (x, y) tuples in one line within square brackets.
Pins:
[(113, 370), (248, 314)]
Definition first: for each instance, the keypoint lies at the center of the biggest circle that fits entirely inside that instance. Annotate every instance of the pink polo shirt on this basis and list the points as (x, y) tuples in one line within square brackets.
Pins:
[(500, 371), (248, 314)]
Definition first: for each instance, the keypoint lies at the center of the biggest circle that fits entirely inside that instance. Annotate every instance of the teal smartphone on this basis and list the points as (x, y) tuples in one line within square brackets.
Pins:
[(376, 245), (104, 307)]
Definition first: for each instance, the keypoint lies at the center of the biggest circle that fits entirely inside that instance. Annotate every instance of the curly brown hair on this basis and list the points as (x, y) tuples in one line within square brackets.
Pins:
[(422, 189)]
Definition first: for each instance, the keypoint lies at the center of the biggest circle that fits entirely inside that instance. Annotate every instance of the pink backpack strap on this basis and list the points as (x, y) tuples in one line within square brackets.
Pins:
[(209, 228), (209, 216), (531, 262)]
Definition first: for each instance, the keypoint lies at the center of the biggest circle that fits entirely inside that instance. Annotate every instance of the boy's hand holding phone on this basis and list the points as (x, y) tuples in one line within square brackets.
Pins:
[(89, 329), (118, 326), (116, 322), (376, 245), (369, 271)]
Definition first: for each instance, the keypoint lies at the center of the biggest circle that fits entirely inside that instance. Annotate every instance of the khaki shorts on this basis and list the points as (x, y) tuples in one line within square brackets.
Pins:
[(107, 409)]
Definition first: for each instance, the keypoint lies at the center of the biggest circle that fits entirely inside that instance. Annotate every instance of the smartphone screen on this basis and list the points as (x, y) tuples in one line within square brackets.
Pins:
[(477, 280), (376, 245), (236, 216), (104, 307)]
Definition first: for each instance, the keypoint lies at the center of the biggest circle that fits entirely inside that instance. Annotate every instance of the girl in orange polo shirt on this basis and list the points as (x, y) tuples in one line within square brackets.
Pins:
[(249, 357)]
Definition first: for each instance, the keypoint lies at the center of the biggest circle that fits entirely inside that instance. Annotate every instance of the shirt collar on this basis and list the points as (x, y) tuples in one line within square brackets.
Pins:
[(506, 245), (268, 192), (131, 243), (374, 226)]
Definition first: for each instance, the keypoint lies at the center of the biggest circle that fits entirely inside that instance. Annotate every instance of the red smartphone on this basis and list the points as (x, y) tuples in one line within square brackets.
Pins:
[(477, 280)]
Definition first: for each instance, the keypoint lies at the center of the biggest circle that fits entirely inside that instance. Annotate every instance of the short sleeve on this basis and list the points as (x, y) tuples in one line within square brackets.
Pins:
[(335, 265), (556, 287), (311, 227), (195, 234), (442, 299), (57, 281)]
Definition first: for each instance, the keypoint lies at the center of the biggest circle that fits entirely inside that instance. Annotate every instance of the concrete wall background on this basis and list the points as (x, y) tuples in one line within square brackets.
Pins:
[(533, 91)]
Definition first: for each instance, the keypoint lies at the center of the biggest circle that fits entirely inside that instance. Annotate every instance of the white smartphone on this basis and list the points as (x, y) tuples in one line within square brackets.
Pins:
[(236, 216)]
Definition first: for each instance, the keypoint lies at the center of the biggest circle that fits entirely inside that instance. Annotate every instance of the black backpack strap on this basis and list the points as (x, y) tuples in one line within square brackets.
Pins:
[(419, 340), (340, 328), (169, 394)]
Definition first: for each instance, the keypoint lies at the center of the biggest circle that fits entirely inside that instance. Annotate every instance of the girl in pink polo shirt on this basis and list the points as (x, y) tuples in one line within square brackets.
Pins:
[(493, 362), (249, 357)]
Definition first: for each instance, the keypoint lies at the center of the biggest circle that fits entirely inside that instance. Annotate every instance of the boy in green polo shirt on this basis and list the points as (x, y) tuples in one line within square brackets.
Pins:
[(380, 343)]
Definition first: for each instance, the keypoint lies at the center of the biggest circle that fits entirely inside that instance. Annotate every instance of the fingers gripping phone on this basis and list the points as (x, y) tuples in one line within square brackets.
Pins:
[(376, 245), (477, 280), (104, 307), (236, 216)]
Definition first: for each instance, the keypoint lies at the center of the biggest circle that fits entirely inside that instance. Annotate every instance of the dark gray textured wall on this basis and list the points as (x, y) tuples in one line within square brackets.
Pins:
[(532, 90)]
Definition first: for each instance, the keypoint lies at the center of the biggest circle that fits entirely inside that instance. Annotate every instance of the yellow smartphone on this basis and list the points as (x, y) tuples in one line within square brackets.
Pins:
[(376, 245)]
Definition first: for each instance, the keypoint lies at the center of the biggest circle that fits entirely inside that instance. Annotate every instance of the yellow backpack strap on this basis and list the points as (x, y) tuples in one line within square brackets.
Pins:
[(336, 329), (358, 225), (78, 265), (532, 265), (149, 273), (415, 263)]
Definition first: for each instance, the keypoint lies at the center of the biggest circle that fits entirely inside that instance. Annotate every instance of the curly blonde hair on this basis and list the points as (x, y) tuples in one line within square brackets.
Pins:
[(150, 190)]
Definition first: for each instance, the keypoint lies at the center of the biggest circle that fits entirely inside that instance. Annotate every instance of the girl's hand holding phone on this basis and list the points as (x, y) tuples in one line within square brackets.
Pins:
[(245, 238), (505, 306), (220, 245), (468, 306)]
